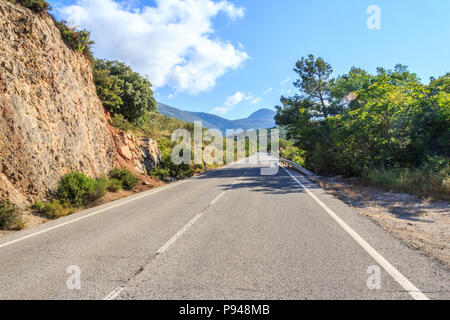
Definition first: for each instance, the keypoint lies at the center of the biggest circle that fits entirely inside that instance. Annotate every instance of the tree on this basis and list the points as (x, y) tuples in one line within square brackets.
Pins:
[(109, 89), (134, 90), (387, 121), (344, 89), (315, 84)]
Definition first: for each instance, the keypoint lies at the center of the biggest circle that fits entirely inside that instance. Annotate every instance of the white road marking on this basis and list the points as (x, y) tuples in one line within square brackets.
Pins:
[(187, 226), (413, 291), (104, 209), (90, 214), (116, 292)]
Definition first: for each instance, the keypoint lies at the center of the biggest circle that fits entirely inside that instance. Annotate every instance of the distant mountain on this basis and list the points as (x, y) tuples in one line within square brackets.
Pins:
[(260, 119)]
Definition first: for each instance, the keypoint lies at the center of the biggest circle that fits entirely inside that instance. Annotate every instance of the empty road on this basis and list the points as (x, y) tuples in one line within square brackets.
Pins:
[(228, 234)]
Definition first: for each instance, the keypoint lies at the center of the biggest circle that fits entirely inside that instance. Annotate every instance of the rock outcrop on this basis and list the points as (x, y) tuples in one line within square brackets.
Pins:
[(137, 154), (51, 120)]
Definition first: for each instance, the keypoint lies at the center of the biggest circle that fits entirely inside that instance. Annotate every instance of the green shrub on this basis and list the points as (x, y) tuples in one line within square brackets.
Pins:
[(159, 173), (100, 188), (124, 91), (118, 121), (9, 216), (128, 180), (175, 170), (35, 5), (53, 209), (77, 40), (76, 188), (115, 185), (426, 181)]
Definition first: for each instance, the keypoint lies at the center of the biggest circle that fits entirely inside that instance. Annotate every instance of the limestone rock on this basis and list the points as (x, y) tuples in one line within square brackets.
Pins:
[(51, 120)]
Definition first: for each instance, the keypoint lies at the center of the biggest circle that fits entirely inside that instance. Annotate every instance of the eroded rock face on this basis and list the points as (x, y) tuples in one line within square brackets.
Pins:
[(138, 154), (51, 120)]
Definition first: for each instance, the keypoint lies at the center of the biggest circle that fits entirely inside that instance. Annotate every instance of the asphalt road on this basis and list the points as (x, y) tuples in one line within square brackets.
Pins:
[(228, 234)]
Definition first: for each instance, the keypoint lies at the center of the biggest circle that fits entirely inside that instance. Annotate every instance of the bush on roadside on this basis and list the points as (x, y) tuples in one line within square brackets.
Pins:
[(159, 173), (429, 180), (101, 185), (76, 188), (114, 185), (128, 180), (9, 216), (53, 209)]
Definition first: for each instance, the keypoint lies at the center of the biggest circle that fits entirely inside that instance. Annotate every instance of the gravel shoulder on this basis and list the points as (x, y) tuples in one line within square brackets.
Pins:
[(421, 223)]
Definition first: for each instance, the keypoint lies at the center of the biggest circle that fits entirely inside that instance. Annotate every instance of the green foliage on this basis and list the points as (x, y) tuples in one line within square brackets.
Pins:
[(425, 181), (383, 125), (9, 216), (35, 5), (159, 173), (124, 91), (114, 185), (101, 186), (78, 40), (175, 170), (315, 85), (108, 89), (77, 189), (127, 179), (53, 209), (291, 152)]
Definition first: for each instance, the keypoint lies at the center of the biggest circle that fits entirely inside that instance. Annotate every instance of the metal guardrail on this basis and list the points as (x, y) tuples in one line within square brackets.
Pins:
[(294, 166)]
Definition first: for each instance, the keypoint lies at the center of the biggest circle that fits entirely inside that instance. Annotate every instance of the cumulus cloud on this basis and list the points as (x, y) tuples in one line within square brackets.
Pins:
[(233, 100), (172, 42)]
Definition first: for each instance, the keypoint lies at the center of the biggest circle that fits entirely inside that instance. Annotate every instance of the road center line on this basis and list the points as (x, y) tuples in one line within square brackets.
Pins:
[(117, 291), (413, 291)]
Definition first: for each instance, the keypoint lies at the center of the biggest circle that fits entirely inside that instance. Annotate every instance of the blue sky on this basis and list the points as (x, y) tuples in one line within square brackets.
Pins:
[(251, 47)]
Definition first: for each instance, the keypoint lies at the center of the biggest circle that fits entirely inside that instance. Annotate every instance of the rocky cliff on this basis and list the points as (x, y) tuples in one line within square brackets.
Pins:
[(51, 120)]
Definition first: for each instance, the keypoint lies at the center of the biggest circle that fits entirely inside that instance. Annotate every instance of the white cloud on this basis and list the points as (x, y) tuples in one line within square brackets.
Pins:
[(268, 91), (233, 100), (172, 43), (257, 100), (285, 81)]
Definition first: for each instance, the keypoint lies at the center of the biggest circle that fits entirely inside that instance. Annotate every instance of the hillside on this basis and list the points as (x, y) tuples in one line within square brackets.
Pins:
[(260, 119), (51, 120)]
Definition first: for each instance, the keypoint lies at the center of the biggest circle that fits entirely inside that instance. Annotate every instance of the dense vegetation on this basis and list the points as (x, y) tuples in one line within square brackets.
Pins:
[(78, 40), (123, 92), (76, 190), (35, 5), (389, 128), (9, 216)]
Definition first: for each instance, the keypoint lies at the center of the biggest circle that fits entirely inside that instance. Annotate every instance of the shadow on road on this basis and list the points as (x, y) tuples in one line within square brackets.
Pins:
[(250, 178)]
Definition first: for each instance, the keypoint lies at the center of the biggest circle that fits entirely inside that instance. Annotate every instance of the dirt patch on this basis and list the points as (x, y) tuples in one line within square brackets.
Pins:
[(421, 223)]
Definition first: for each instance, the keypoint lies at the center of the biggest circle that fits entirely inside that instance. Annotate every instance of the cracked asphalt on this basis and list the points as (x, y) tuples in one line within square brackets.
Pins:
[(255, 237)]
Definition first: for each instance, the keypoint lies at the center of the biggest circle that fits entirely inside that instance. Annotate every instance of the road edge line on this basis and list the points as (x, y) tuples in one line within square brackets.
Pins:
[(413, 291)]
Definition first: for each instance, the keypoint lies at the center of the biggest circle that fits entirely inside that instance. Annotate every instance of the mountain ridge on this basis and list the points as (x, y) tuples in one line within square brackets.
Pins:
[(260, 119)]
